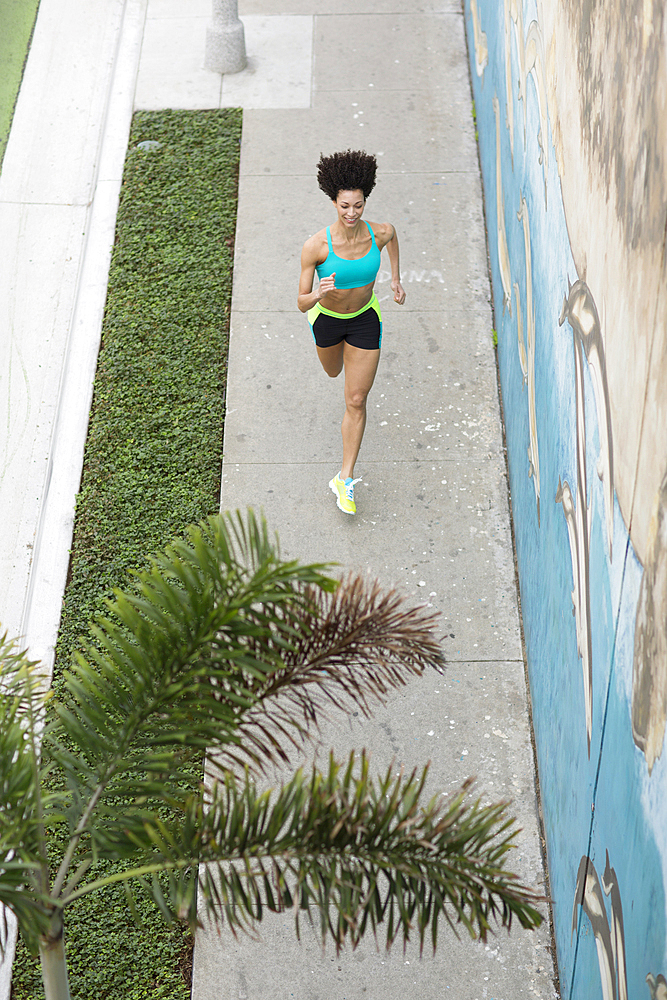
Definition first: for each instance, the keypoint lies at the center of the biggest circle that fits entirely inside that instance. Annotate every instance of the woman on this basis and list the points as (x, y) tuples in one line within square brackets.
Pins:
[(343, 311)]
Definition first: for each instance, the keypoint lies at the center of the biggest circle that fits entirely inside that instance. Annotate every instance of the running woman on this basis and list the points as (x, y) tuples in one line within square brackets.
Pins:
[(343, 312)]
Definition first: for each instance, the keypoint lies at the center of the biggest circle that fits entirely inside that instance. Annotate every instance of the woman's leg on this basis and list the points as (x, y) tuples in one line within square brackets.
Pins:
[(360, 369), (332, 359)]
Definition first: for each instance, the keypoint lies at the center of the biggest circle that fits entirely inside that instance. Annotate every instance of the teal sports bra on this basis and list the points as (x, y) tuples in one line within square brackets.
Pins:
[(351, 273)]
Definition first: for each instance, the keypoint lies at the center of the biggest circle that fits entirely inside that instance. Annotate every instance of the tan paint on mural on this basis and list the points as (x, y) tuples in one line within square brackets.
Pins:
[(608, 108), (649, 679)]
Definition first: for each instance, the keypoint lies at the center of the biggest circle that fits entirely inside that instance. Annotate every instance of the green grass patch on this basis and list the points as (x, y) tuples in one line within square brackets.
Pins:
[(152, 463), (17, 19)]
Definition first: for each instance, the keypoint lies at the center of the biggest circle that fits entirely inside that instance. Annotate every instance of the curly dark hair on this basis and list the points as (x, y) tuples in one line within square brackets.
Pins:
[(349, 171)]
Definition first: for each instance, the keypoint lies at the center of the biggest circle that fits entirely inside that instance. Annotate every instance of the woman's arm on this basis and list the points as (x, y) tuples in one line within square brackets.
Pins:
[(392, 250), (307, 298)]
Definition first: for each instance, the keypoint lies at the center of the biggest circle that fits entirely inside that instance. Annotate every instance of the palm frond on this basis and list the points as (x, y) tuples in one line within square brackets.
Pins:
[(348, 650), (24, 805), (360, 854), (224, 647)]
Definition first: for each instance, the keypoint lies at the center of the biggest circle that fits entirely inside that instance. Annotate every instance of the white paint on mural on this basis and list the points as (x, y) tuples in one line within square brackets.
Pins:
[(523, 360), (654, 806), (529, 375), (503, 252), (535, 67), (578, 518), (609, 937), (516, 14), (583, 316), (609, 882), (578, 523), (509, 89), (481, 45), (588, 895)]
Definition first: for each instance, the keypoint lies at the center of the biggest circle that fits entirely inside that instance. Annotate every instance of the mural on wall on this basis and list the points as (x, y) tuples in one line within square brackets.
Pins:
[(529, 373), (616, 226), (503, 252), (609, 938), (534, 66), (481, 47), (579, 272), (513, 11), (580, 311), (530, 56), (657, 986)]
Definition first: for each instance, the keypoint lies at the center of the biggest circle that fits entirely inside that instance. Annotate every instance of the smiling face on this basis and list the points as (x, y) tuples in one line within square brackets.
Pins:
[(350, 207)]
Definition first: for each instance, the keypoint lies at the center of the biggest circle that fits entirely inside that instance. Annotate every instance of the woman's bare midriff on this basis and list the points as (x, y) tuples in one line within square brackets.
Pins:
[(348, 300)]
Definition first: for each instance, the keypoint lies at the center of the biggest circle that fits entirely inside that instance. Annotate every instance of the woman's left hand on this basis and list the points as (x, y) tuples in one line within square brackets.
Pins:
[(399, 292)]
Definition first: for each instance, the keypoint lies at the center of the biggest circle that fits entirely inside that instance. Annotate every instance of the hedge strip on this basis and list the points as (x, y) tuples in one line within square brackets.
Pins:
[(152, 461)]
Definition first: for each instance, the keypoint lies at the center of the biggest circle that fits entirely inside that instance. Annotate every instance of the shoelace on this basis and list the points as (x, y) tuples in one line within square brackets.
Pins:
[(349, 488)]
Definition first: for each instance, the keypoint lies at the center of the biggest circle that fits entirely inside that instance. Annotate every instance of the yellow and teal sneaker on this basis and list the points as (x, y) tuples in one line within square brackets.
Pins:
[(344, 491)]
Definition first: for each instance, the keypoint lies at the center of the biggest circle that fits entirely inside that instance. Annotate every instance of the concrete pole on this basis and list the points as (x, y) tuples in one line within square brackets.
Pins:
[(225, 39)]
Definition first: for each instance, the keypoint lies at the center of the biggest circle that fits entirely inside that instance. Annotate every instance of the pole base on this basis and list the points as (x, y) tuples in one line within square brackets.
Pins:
[(225, 49)]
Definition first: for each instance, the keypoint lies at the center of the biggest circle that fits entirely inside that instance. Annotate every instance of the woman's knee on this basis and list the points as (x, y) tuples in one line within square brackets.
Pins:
[(355, 399)]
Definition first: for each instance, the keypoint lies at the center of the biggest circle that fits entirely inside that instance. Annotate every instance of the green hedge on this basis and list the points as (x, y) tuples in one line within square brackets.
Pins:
[(152, 462)]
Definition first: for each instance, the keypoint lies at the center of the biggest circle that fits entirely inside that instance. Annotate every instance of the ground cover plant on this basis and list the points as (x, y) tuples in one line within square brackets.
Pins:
[(223, 647), (152, 462)]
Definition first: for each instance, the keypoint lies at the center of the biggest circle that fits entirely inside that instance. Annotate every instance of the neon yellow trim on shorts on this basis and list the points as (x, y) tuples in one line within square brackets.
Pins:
[(372, 303)]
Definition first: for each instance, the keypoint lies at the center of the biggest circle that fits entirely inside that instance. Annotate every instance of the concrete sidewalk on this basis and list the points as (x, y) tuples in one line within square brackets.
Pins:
[(432, 508)]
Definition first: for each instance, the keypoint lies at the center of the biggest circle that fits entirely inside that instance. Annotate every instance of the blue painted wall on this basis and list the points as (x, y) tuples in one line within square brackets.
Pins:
[(605, 812)]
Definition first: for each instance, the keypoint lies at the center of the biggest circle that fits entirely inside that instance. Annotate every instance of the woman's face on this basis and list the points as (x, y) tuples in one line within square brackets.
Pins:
[(350, 207)]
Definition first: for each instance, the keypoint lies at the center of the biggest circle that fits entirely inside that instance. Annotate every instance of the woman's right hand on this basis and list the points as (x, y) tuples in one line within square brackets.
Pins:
[(327, 285)]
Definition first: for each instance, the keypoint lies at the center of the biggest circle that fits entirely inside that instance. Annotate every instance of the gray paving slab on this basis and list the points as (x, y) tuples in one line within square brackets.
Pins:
[(337, 7), (438, 530), (388, 52), (271, 81), (172, 73), (352, 118)]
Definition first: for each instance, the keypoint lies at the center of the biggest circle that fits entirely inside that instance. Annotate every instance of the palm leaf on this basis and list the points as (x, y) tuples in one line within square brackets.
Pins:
[(223, 646), (24, 806), (363, 855)]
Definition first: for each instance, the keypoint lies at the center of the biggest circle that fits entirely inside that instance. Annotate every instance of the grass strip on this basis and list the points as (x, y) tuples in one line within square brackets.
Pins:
[(152, 462), (17, 19)]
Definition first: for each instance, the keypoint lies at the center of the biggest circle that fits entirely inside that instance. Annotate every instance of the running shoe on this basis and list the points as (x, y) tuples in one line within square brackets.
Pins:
[(344, 491)]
